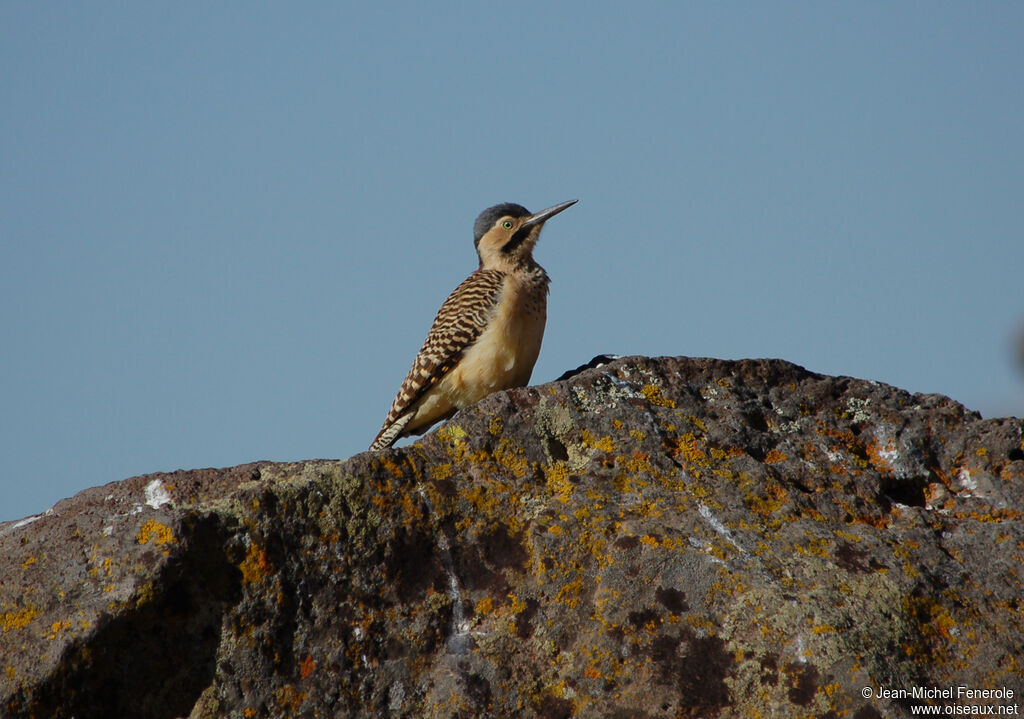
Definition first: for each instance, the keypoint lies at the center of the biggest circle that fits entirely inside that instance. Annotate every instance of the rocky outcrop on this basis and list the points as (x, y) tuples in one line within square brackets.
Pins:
[(664, 537)]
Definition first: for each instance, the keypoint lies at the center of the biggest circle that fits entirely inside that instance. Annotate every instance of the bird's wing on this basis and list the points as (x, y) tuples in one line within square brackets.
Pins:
[(458, 323)]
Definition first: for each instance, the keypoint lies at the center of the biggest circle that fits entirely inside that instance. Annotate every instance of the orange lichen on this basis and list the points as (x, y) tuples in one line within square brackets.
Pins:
[(290, 698), (878, 455), (934, 624), (392, 467), (255, 566), (306, 666), (775, 498), (155, 532)]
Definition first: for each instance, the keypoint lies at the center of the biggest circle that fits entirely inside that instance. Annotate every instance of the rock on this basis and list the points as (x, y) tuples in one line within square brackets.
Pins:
[(665, 537)]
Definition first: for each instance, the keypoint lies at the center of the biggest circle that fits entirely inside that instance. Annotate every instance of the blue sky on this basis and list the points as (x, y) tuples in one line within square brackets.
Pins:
[(225, 227)]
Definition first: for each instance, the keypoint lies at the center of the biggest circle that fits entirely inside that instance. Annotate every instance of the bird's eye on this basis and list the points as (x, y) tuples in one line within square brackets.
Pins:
[(507, 224)]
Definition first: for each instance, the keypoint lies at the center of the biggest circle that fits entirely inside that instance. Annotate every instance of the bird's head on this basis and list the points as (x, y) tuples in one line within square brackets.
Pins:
[(506, 234)]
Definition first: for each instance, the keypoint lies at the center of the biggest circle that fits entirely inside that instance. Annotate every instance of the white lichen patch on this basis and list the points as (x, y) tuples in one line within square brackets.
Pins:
[(620, 389), (789, 427), (834, 457), (27, 520), (7, 528), (156, 494), (707, 548), (716, 524), (858, 409), (965, 483)]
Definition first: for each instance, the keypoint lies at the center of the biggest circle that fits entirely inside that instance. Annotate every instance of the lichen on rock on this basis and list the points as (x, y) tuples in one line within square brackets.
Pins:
[(649, 537)]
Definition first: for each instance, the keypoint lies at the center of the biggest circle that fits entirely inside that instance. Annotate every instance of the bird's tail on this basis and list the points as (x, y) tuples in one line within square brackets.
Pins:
[(390, 433)]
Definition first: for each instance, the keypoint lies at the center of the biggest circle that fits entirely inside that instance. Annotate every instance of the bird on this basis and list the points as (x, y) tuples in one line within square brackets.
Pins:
[(487, 335)]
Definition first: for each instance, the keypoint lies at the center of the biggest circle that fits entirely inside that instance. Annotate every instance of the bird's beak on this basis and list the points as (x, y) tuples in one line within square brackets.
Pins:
[(544, 215)]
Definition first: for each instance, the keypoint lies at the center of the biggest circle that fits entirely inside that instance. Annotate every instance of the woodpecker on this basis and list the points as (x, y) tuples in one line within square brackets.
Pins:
[(487, 334)]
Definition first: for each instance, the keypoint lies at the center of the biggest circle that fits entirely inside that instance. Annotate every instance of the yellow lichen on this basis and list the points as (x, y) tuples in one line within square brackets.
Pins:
[(605, 444), (816, 547), (518, 604), (688, 447), (696, 422), (830, 690), (452, 432), (653, 394), (57, 627), (485, 606), (558, 481), (569, 594), (18, 619), (441, 471), (511, 457), (847, 535), (774, 456)]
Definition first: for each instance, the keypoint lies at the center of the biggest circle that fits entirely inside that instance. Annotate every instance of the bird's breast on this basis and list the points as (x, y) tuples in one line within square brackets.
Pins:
[(504, 354)]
